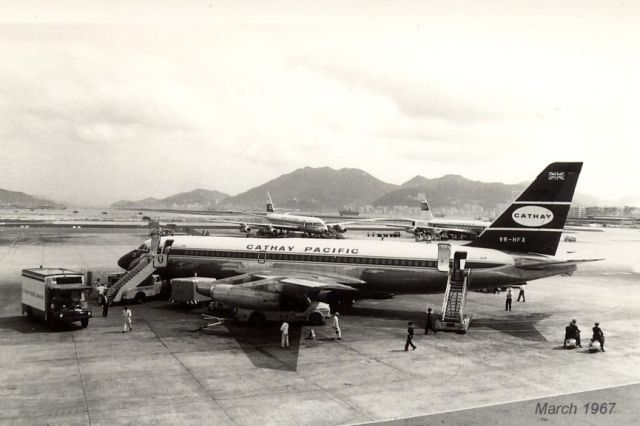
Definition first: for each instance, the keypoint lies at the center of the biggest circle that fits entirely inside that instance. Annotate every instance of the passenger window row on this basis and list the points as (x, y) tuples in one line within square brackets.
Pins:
[(309, 258)]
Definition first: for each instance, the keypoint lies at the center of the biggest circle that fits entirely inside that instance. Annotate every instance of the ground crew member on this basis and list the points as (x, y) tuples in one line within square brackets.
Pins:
[(572, 332), (521, 294), (284, 336), (101, 290), (598, 335), (105, 307), (126, 315), (409, 338), (507, 304), (429, 324), (336, 325)]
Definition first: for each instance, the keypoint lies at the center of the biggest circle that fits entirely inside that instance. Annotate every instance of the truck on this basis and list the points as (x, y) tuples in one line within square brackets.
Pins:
[(55, 295), (316, 313), (149, 288)]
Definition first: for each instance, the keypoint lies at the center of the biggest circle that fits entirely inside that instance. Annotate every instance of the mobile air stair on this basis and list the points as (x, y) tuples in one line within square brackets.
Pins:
[(147, 265), (452, 316)]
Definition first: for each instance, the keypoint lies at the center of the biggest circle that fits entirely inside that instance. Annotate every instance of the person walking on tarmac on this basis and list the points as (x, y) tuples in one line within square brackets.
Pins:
[(521, 294), (409, 341), (126, 316), (429, 324), (336, 325), (105, 307), (100, 288), (284, 335), (507, 304), (598, 335)]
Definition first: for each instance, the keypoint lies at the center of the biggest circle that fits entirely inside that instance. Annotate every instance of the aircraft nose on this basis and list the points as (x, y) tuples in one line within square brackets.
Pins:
[(125, 261)]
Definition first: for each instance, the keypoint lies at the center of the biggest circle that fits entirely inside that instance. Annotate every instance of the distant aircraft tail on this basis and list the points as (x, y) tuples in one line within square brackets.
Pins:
[(269, 203), (425, 210), (533, 223)]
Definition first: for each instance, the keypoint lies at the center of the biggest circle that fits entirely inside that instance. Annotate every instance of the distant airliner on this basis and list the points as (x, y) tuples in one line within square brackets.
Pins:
[(518, 246), (281, 222), (440, 228)]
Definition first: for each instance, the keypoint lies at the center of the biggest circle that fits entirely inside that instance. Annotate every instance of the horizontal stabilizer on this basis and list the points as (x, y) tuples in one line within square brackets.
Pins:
[(537, 265)]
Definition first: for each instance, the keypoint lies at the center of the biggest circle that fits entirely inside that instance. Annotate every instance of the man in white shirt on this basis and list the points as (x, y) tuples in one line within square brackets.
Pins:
[(126, 315), (284, 337), (336, 325), (101, 289)]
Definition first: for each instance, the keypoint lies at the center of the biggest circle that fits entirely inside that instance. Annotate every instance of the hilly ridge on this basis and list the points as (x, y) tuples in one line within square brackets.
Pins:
[(17, 199), (450, 191), (198, 199), (314, 189)]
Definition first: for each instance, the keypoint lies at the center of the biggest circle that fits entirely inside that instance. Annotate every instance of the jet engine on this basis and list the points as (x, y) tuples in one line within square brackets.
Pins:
[(411, 230), (241, 296), (245, 228), (339, 228)]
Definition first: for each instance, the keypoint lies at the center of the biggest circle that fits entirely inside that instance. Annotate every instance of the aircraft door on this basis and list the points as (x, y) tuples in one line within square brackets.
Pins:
[(262, 257), (444, 253)]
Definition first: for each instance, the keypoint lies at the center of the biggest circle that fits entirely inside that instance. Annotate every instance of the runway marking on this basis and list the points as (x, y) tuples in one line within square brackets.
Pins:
[(84, 392)]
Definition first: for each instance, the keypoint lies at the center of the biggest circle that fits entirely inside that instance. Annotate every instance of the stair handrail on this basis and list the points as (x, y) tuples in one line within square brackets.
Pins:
[(114, 289), (465, 287)]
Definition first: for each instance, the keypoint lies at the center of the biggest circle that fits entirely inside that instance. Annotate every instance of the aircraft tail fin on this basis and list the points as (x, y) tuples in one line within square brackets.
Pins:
[(533, 223), (426, 210), (269, 203)]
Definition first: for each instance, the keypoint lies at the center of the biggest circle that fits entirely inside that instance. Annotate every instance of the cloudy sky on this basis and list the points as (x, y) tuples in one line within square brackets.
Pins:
[(135, 99)]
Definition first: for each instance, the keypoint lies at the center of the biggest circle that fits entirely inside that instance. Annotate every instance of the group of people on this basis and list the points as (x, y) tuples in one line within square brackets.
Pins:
[(573, 332), (284, 331), (103, 300), (429, 325)]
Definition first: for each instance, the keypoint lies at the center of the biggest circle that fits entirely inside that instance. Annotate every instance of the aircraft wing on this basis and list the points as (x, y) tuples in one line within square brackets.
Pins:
[(261, 225), (306, 285)]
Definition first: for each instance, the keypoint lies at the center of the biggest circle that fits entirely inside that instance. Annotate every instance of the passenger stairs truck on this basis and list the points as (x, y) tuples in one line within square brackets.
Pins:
[(55, 295)]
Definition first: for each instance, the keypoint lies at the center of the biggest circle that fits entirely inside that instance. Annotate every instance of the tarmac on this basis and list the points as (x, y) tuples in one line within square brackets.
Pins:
[(167, 371)]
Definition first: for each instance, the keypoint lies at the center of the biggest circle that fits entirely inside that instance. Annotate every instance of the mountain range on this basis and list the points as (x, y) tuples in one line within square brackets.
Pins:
[(198, 199), (324, 189), (14, 199)]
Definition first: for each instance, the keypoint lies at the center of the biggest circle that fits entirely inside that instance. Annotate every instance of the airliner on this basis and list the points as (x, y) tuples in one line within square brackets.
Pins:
[(519, 246), (440, 228), (281, 222)]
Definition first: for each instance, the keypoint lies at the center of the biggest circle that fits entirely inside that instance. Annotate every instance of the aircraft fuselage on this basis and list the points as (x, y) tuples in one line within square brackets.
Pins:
[(396, 267)]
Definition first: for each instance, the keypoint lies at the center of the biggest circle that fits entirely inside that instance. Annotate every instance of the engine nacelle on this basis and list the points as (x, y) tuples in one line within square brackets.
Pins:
[(339, 228), (242, 297), (411, 230), (245, 228)]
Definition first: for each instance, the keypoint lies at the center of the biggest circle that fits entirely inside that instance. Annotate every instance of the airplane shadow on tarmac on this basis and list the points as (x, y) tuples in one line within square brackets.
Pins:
[(261, 345), (521, 326)]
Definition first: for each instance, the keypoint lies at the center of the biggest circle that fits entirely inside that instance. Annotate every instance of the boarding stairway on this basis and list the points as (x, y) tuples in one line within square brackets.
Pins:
[(146, 266), (453, 317), (131, 279)]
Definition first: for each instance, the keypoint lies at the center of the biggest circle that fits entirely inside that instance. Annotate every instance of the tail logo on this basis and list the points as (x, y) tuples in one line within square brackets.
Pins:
[(556, 175), (532, 216)]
